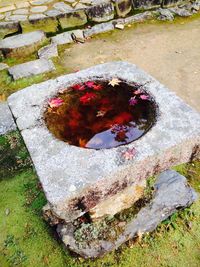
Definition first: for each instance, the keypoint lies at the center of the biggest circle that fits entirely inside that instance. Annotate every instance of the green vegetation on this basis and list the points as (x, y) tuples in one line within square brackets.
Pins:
[(27, 240)]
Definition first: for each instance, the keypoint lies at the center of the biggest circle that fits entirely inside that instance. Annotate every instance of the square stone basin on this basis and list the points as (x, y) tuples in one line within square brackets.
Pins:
[(77, 180)]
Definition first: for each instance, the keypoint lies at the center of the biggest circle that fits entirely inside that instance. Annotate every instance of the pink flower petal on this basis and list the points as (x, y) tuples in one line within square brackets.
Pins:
[(144, 97), (132, 101), (55, 102)]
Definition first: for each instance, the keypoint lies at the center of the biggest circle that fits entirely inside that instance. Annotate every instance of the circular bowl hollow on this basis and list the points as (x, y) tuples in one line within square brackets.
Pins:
[(100, 114)]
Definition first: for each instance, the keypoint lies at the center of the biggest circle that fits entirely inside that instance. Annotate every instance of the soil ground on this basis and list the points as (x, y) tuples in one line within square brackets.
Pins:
[(169, 52)]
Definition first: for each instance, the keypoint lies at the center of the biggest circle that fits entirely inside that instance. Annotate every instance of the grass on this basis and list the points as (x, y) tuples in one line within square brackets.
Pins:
[(27, 240)]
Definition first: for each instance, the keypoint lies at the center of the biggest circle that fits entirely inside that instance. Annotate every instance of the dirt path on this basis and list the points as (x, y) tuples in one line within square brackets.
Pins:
[(170, 52)]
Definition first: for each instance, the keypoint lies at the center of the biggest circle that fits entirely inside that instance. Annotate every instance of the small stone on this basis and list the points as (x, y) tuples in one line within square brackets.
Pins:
[(17, 18), (119, 26), (7, 212), (31, 68), (3, 66), (7, 123), (62, 38), (61, 6), (53, 13), (22, 4), (48, 51), (78, 36), (7, 8), (20, 12)]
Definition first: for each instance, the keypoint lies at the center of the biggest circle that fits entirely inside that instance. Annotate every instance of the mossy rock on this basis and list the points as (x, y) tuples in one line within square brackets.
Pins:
[(72, 20), (47, 24), (7, 28)]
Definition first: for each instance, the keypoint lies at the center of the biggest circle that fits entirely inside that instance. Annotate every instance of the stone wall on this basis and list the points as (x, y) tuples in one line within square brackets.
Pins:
[(53, 16)]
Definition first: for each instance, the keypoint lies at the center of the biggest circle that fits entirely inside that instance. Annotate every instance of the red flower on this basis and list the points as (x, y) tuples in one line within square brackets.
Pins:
[(86, 98), (55, 102), (79, 87)]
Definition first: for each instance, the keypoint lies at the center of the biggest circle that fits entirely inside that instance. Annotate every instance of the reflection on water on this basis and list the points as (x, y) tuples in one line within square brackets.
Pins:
[(100, 114)]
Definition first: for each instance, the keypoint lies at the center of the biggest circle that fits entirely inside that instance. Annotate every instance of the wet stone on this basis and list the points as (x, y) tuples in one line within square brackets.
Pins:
[(165, 14), (62, 38), (52, 12), (144, 4), (61, 6), (17, 18), (31, 68), (180, 12)]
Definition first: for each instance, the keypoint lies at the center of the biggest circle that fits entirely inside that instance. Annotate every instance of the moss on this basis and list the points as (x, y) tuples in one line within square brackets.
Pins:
[(47, 25), (14, 156)]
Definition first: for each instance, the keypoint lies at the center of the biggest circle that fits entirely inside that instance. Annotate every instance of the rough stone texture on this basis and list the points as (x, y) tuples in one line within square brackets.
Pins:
[(48, 51), (7, 123), (40, 2), (72, 19), (139, 17), (53, 13), (145, 4), (22, 44), (30, 68), (102, 12), (123, 7), (78, 36), (99, 28), (174, 139), (8, 28), (3, 66), (180, 12), (165, 14), (62, 38), (171, 194), (22, 4), (40, 22)]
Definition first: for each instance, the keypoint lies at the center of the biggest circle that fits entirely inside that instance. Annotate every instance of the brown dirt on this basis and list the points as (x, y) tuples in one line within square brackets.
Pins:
[(168, 51)]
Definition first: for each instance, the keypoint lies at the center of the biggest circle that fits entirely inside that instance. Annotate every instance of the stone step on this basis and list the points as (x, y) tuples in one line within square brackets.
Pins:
[(22, 44), (30, 68)]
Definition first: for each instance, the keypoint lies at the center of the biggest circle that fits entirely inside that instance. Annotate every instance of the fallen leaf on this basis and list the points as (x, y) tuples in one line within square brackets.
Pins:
[(55, 102), (86, 98), (114, 81), (101, 113)]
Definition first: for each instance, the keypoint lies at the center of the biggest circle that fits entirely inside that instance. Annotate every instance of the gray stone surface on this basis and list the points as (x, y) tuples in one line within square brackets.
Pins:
[(38, 9), (99, 28), (174, 139), (52, 12), (180, 12), (72, 19), (8, 28), (3, 66), (16, 18), (123, 7), (101, 12), (62, 38), (48, 51), (165, 14), (7, 123), (63, 7), (172, 193), (23, 11), (30, 68), (35, 17), (40, 2), (139, 17), (22, 44)]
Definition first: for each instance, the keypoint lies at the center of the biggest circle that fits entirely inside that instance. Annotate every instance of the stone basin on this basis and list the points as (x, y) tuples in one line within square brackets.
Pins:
[(77, 180)]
